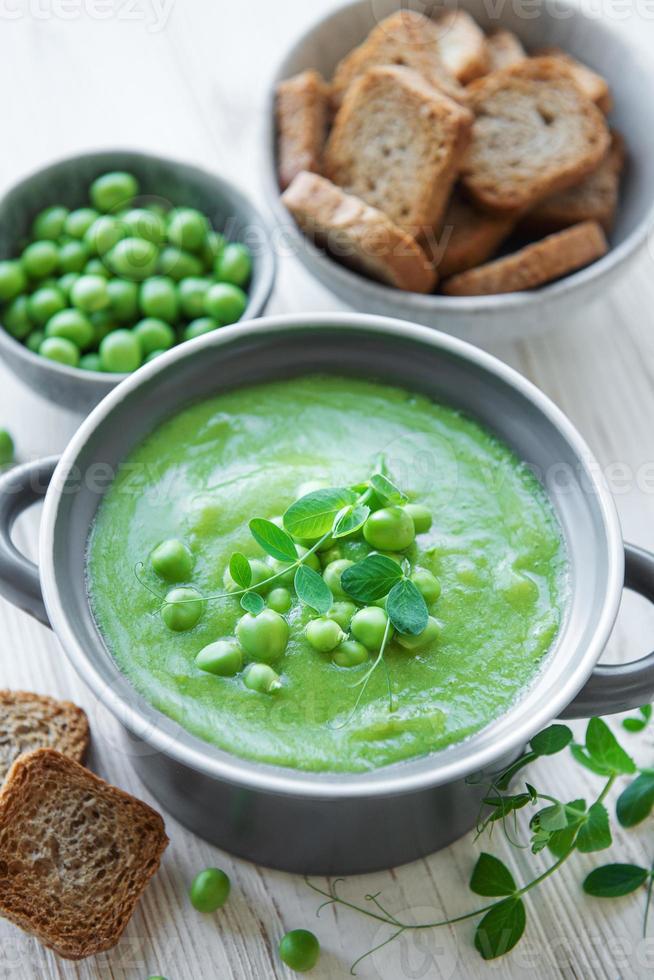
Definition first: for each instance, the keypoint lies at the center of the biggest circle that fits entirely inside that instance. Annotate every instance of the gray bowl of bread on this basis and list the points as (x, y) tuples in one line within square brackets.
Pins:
[(490, 174)]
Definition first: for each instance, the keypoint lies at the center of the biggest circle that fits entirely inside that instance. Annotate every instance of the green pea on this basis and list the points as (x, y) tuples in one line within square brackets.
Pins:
[(350, 653), (178, 264), (223, 658), (16, 319), (73, 256), (331, 554), (389, 529), (12, 279), (96, 267), (6, 448), (368, 626), (145, 223), (105, 232), (428, 585), (183, 609), (421, 517), (90, 293), (225, 303), (113, 190), (192, 293), (311, 560), (61, 350), (65, 284), (133, 258), (34, 340), (332, 577), (260, 572), (153, 355), (172, 560), (90, 362), (72, 325), (153, 334), (121, 352), (300, 950), (213, 246), (234, 265), (342, 613), (324, 634), (158, 298), (123, 299), (187, 229), (103, 324), (197, 328), (262, 678), (44, 303), (263, 637), (280, 600), (79, 221), (209, 890), (49, 224), (40, 259), (430, 634)]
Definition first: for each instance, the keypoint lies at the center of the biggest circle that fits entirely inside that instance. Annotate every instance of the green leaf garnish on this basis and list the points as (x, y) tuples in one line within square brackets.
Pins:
[(313, 515), (252, 603), (501, 928), (406, 608), (551, 740), (240, 570), (352, 520), (604, 749), (636, 801), (372, 578), (595, 833), (615, 880), (312, 590), (491, 877), (274, 541), (561, 842), (580, 755), (386, 489)]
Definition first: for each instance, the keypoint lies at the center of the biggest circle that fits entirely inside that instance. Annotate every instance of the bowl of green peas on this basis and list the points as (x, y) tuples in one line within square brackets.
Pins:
[(109, 259)]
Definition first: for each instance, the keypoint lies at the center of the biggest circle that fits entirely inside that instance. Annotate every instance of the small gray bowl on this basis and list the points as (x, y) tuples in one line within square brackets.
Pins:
[(484, 319), (167, 181)]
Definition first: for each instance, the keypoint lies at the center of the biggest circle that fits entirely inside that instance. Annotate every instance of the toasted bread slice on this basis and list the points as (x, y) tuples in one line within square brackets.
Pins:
[(75, 854), (405, 38), (504, 49), (302, 103), (33, 721), (359, 236), (469, 236), (462, 45), (594, 199), (591, 84), (536, 264), (397, 143), (535, 134)]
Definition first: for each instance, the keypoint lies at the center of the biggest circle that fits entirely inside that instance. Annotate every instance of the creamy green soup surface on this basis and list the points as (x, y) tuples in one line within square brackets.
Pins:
[(494, 545)]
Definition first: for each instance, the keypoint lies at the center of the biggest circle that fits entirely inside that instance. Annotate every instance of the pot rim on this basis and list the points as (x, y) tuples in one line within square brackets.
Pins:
[(386, 781)]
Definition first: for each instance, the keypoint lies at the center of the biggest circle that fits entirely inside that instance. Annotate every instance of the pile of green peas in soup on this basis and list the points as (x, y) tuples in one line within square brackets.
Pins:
[(110, 286)]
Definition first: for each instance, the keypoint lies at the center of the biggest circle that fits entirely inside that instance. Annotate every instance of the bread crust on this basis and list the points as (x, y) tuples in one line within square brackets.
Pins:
[(468, 236), (358, 235), (504, 49), (535, 134), (75, 854), (594, 86), (31, 721), (397, 143), (462, 44), (301, 110), (536, 264)]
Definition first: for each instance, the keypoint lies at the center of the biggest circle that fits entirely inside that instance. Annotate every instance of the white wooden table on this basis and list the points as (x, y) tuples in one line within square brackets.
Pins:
[(188, 78)]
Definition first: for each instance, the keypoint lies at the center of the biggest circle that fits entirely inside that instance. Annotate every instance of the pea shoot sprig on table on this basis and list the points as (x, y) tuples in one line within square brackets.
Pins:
[(559, 827), (360, 606)]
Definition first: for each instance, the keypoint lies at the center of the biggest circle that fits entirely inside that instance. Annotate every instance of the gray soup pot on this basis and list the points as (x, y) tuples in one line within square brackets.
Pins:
[(331, 823)]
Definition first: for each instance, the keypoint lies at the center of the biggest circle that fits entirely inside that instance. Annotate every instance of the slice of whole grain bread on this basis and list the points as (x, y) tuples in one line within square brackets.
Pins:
[(301, 107), (462, 45), (536, 264), (358, 235), (75, 854), (591, 84), (534, 134), (33, 721), (594, 199), (397, 143), (504, 49), (405, 38), (468, 236)]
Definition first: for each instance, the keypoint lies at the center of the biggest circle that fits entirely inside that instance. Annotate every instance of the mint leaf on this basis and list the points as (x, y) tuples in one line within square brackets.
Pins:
[(312, 590), (501, 928), (274, 541), (313, 515), (614, 880), (595, 833), (239, 569), (406, 608), (491, 877), (551, 740), (353, 519), (252, 603), (604, 749), (371, 579), (386, 489), (636, 801)]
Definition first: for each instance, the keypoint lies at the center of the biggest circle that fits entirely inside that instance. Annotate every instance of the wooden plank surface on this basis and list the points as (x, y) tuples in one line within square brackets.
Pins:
[(188, 78)]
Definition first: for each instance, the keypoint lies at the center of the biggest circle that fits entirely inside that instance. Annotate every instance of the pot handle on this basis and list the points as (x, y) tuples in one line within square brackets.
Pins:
[(621, 687), (21, 487)]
